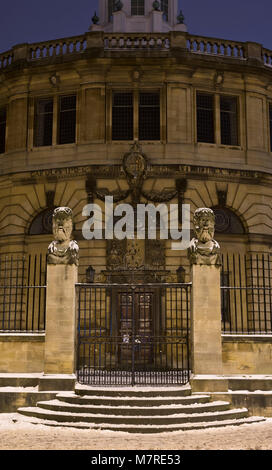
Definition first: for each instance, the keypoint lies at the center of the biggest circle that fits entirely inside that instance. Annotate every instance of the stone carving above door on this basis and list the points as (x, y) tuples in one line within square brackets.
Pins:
[(135, 167), (135, 255)]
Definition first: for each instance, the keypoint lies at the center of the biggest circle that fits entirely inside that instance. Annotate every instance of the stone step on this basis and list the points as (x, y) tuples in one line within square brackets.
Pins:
[(136, 392), (147, 429), (263, 383), (161, 410), (153, 420), (19, 380), (71, 397)]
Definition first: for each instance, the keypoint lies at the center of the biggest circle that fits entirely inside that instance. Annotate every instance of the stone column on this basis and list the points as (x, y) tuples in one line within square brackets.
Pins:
[(206, 342), (60, 331)]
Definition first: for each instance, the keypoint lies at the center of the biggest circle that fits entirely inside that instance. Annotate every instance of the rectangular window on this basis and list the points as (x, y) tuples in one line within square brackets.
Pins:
[(43, 122), (67, 119), (136, 115), (205, 118), (164, 9), (149, 116), (122, 116), (110, 10), (137, 7), (2, 130), (270, 124), (228, 120)]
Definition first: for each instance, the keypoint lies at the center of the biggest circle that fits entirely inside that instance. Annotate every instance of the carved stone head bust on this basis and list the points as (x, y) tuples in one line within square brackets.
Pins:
[(203, 248), (62, 250), (204, 222)]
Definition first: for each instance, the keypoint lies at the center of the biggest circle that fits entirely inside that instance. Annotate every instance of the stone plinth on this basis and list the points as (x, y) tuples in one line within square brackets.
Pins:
[(206, 320), (60, 338)]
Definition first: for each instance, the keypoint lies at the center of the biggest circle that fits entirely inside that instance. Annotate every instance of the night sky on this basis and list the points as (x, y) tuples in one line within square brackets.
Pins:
[(34, 20)]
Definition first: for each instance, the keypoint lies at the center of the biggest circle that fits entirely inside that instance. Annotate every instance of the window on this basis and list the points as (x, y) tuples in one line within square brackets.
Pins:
[(164, 9), (42, 223), (2, 130), (137, 7), (228, 120), (67, 119), (110, 10), (122, 116), (217, 119), (62, 109), (270, 124), (149, 116), (136, 115), (205, 118), (43, 122)]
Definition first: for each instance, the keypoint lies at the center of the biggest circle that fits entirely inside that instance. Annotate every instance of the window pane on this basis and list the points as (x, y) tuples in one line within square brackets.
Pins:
[(228, 117), (122, 116), (164, 9), (110, 9), (43, 122), (67, 119), (205, 118), (149, 116), (2, 130), (137, 7)]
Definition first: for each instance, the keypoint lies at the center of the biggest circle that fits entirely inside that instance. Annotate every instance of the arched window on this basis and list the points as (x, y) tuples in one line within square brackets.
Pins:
[(226, 221), (137, 7), (42, 223)]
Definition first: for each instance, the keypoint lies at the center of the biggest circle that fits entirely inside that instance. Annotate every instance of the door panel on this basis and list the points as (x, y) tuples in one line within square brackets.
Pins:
[(136, 321)]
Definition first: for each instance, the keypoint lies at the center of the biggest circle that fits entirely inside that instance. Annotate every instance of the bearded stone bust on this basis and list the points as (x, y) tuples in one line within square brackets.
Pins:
[(203, 248), (63, 250)]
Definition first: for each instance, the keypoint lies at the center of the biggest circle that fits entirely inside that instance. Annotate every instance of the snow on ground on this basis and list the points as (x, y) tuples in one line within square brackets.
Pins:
[(18, 433)]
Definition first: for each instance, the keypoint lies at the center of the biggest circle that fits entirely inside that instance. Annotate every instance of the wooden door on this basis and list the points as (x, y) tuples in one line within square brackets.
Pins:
[(136, 326)]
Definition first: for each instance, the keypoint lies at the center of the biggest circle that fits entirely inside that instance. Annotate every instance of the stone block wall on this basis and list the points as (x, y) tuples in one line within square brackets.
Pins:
[(21, 353)]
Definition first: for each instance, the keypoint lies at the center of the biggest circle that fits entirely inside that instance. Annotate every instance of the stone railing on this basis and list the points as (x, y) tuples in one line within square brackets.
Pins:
[(267, 57), (6, 58), (134, 41), (100, 42), (58, 47), (218, 47)]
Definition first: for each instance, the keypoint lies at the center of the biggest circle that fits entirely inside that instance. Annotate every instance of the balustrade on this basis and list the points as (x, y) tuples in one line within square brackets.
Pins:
[(133, 41), (59, 47), (136, 41), (218, 47), (267, 57), (6, 59)]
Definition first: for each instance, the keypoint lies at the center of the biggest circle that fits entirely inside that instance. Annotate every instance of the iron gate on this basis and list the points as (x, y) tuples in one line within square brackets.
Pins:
[(133, 334)]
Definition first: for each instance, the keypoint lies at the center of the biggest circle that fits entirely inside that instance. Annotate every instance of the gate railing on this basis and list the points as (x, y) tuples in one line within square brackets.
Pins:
[(22, 293), (246, 293), (133, 334)]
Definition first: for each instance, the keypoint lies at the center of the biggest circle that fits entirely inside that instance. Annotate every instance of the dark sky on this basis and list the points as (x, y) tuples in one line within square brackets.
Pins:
[(36, 20)]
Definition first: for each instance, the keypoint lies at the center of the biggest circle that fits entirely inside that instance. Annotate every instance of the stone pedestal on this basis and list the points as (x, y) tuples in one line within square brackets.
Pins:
[(119, 22), (157, 19), (206, 340), (60, 337)]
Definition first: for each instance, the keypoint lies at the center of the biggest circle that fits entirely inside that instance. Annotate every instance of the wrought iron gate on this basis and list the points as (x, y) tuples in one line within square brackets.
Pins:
[(133, 334)]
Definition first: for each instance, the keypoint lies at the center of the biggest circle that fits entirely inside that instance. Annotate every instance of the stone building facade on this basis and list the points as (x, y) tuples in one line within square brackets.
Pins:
[(78, 114)]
